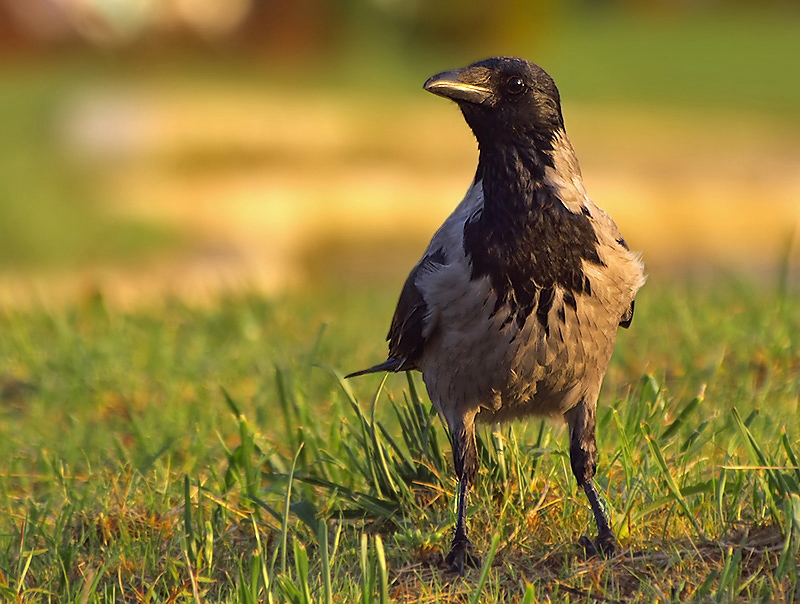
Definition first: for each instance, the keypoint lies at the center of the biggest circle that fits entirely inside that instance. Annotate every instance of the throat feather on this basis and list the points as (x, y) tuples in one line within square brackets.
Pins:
[(526, 241)]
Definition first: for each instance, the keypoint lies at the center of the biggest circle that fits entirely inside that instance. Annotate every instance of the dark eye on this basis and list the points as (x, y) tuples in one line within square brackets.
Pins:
[(515, 85)]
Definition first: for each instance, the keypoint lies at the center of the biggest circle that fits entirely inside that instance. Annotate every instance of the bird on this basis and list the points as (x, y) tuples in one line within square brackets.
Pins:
[(513, 309)]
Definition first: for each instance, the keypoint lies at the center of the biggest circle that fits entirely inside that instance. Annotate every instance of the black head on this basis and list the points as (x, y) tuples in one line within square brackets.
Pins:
[(503, 100)]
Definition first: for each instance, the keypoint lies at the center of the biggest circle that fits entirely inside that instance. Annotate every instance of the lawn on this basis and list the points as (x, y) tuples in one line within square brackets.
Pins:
[(215, 455)]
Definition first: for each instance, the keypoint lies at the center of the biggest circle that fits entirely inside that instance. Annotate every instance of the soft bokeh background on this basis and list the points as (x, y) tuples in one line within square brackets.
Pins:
[(153, 148)]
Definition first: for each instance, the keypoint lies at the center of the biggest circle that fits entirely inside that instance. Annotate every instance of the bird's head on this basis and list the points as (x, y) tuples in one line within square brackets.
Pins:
[(503, 100)]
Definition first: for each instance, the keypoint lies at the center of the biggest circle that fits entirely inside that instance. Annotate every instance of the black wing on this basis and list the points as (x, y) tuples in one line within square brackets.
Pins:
[(626, 319), (406, 334)]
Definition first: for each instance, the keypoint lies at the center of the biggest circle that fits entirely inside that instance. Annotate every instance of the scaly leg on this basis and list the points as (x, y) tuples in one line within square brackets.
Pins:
[(465, 460), (583, 459)]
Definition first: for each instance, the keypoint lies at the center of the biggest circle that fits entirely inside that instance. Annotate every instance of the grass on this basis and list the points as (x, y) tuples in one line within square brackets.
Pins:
[(216, 455)]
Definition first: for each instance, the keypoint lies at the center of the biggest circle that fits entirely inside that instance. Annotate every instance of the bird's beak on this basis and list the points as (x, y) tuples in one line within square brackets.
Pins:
[(459, 85)]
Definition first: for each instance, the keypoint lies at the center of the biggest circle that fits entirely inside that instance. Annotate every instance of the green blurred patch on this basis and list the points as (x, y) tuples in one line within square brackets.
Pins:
[(741, 60), (50, 212)]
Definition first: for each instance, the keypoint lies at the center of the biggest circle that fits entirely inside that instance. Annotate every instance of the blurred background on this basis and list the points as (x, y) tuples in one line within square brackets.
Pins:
[(154, 148)]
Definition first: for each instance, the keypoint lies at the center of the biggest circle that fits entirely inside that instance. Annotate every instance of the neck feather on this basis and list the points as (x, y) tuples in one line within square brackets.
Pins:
[(528, 240)]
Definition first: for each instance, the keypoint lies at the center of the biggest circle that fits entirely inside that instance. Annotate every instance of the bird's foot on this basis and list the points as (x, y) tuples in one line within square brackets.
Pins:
[(605, 546), (461, 556)]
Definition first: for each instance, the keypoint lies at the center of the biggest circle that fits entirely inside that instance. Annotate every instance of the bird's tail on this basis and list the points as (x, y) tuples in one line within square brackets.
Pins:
[(390, 364)]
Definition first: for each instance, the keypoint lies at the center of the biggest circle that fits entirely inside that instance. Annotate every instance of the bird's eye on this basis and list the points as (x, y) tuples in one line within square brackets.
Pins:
[(515, 85)]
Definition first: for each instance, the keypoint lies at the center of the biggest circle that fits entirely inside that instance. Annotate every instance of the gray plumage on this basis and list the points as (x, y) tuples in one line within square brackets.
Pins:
[(514, 307)]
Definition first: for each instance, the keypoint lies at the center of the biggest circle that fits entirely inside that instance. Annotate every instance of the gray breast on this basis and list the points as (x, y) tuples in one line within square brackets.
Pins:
[(479, 358)]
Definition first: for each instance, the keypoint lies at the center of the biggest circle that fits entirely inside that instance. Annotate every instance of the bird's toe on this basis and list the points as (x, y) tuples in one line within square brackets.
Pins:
[(605, 546), (588, 546), (461, 556)]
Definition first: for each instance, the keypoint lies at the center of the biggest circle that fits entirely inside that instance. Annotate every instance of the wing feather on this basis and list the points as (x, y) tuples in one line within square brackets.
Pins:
[(407, 333)]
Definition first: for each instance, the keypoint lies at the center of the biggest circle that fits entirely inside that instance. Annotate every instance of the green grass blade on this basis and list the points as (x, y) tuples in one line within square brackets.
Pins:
[(290, 590), (230, 402), (487, 566), (286, 510), (682, 418), (402, 456), (260, 561), (787, 563), (380, 453), (382, 571), (706, 586), (720, 494), (759, 458), (188, 524), (375, 505), (790, 453), (366, 571), (530, 594), (301, 568), (730, 569), (290, 425), (670, 480), (324, 553)]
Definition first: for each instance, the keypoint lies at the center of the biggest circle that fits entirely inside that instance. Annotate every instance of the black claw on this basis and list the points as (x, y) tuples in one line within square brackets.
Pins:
[(605, 546), (588, 546), (461, 557)]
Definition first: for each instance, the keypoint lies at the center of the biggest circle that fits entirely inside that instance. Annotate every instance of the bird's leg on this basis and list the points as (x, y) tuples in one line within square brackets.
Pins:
[(465, 460), (583, 459)]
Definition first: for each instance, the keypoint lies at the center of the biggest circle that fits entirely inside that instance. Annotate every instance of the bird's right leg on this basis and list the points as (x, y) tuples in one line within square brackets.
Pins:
[(583, 459), (465, 460)]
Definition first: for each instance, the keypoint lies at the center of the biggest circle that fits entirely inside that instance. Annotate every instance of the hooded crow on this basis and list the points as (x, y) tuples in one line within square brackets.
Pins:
[(513, 309)]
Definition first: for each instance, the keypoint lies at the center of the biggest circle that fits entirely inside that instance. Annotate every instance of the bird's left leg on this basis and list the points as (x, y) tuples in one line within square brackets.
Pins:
[(583, 459), (465, 460)]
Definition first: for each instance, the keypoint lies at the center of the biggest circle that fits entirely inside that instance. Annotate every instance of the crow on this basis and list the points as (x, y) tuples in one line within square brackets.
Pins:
[(514, 307)]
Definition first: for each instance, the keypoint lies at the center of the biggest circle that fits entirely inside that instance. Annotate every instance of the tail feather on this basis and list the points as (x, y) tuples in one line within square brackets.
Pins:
[(390, 364)]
